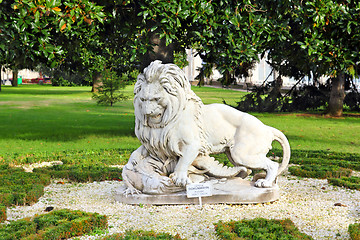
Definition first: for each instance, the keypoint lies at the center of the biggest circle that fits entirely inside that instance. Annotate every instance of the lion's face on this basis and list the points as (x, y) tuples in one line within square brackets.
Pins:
[(154, 106)]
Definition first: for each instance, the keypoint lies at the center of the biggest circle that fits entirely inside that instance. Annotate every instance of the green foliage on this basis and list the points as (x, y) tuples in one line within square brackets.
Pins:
[(306, 98), (180, 59), (319, 171), (143, 235), (19, 187), (354, 231), (307, 157), (86, 157), (61, 82), (2, 213), (82, 173), (347, 182), (55, 225), (259, 228), (35, 31), (108, 91)]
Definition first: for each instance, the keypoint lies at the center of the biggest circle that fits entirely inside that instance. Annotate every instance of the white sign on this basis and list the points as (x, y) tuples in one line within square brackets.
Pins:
[(198, 190)]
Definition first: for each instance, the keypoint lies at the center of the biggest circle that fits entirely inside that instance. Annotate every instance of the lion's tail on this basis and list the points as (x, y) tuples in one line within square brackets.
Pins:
[(281, 138)]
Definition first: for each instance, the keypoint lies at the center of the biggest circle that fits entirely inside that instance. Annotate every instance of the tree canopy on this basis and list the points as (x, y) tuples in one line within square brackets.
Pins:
[(301, 38)]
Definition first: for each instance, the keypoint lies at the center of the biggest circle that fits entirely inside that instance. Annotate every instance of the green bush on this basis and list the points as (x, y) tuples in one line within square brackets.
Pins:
[(17, 229), (347, 182), (20, 188), (319, 171), (82, 173), (140, 235), (2, 213), (102, 156), (259, 228), (354, 231), (59, 224), (345, 160)]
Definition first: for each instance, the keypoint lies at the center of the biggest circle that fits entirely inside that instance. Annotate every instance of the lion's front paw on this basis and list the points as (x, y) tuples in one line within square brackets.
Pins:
[(131, 191), (262, 183), (180, 179)]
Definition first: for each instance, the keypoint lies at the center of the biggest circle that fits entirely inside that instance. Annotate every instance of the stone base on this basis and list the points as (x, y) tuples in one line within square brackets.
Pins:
[(231, 191)]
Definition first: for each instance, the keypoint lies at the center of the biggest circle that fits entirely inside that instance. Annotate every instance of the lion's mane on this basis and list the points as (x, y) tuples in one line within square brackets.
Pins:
[(161, 141)]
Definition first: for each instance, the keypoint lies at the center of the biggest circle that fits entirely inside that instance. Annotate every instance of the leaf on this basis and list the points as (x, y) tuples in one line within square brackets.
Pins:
[(63, 27), (37, 16), (351, 70), (57, 9)]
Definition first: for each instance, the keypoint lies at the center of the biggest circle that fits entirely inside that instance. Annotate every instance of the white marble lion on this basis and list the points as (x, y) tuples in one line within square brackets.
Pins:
[(172, 123)]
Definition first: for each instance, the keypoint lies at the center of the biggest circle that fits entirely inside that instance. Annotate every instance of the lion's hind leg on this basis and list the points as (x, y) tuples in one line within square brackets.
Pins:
[(245, 172), (241, 155)]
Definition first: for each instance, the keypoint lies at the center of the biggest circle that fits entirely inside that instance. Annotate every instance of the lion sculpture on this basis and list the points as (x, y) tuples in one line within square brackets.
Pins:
[(178, 133)]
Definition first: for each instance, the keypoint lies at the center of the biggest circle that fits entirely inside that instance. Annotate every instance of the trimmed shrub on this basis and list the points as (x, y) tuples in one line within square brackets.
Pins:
[(354, 231), (19, 187), (345, 160), (259, 228), (17, 230), (347, 182), (319, 171), (96, 157), (82, 173), (143, 235), (59, 224), (2, 213)]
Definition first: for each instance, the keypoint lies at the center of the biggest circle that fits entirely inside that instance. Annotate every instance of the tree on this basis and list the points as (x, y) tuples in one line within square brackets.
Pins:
[(108, 91), (38, 31), (332, 36)]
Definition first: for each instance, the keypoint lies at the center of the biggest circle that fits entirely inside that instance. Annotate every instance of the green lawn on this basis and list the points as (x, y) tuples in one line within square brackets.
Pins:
[(46, 119)]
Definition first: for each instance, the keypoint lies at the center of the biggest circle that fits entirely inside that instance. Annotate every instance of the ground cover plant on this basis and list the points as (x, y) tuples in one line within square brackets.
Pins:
[(82, 173), (141, 235), (259, 228), (354, 230), (347, 182), (55, 225), (19, 188), (319, 171)]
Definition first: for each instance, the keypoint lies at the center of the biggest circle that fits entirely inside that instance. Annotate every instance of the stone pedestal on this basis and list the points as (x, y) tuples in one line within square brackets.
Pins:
[(231, 191)]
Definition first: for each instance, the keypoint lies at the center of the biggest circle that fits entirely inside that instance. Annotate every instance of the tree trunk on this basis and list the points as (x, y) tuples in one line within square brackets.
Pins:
[(96, 81), (160, 51), (14, 82), (337, 96)]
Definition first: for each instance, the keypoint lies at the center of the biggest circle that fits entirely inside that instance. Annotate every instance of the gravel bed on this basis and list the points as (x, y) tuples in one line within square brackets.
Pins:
[(317, 208)]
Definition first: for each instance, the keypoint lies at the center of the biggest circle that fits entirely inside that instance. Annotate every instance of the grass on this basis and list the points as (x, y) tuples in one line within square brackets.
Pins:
[(46, 120), (259, 228)]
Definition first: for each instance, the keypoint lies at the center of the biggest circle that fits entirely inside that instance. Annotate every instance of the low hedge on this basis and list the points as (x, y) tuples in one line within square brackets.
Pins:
[(100, 156), (55, 225), (259, 228), (21, 188), (2, 213), (354, 231), (82, 173), (143, 235), (348, 182), (319, 171), (303, 157)]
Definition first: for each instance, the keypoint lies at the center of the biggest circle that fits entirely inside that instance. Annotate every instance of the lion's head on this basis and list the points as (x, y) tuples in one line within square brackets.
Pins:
[(161, 92)]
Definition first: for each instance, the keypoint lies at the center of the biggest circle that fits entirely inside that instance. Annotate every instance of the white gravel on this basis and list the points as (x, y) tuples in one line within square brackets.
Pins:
[(309, 203)]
